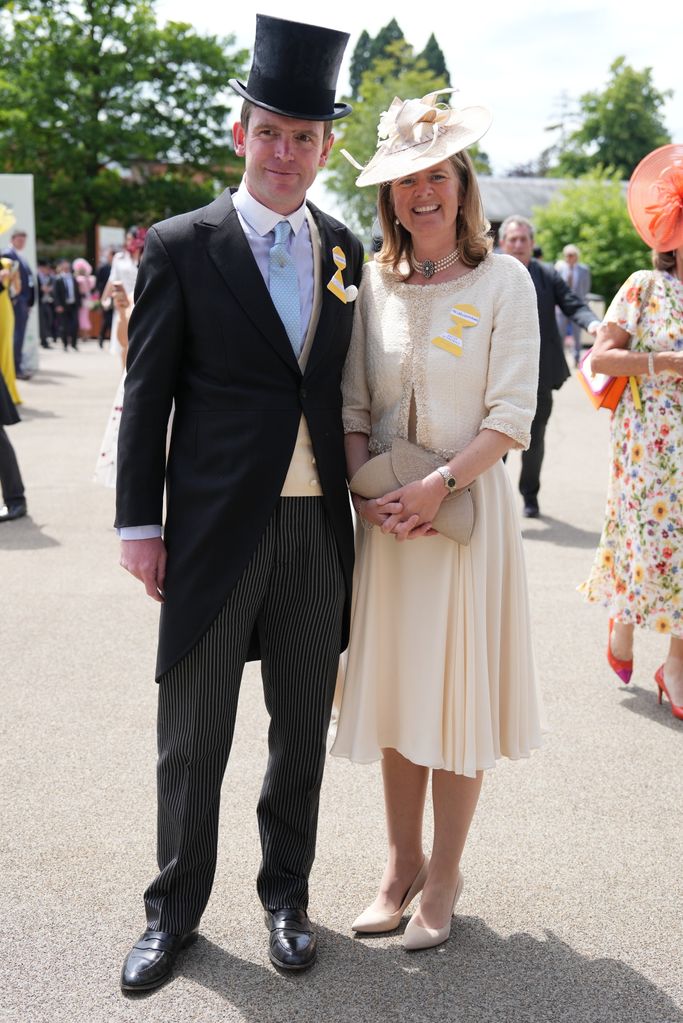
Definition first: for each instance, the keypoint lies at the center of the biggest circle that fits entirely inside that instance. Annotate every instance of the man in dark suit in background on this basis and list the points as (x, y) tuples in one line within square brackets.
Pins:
[(101, 277), (23, 300), (516, 238), (242, 318), (67, 301)]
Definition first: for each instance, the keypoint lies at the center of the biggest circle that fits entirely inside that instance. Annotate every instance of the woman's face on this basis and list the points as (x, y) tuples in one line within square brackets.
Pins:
[(427, 202)]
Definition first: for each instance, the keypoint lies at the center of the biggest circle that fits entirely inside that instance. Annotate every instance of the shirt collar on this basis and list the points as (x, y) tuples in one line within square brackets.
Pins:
[(259, 217)]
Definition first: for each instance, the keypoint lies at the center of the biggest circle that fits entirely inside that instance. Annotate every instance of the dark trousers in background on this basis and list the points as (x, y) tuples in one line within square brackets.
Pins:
[(10, 477), (46, 322), (67, 325), (105, 325), (293, 592), (532, 460), (21, 308)]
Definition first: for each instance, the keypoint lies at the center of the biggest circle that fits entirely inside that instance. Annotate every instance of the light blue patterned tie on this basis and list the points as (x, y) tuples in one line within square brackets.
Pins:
[(284, 285)]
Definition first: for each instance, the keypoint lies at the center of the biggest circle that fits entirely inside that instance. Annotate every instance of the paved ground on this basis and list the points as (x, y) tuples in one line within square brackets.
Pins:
[(572, 907)]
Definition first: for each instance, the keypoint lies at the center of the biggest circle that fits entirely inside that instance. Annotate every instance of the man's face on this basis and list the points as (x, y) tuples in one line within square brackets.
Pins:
[(19, 241), (518, 243), (282, 157), (571, 258)]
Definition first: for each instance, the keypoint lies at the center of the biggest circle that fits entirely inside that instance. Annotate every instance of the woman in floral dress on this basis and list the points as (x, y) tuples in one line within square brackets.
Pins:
[(638, 568)]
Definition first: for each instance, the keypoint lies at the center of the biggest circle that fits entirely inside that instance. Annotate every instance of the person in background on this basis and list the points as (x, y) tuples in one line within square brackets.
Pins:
[(11, 483), (46, 304), (85, 279), (242, 318), (124, 271), (439, 677), (101, 277), (67, 303), (577, 277), (9, 282), (22, 299), (638, 566), (516, 238)]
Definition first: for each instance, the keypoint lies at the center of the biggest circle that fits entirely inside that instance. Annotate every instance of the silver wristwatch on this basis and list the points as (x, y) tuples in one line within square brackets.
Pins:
[(448, 478)]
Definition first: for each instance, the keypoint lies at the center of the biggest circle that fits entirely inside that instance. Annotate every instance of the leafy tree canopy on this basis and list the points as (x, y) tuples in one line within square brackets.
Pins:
[(591, 213), (435, 60), (619, 126), (120, 120), (397, 73)]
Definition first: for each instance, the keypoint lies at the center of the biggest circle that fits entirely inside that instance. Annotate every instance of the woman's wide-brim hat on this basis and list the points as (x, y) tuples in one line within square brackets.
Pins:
[(294, 70), (655, 198), (414, 134)]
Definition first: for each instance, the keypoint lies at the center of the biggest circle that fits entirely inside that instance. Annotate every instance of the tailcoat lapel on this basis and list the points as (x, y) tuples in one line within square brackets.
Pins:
[(330, 306), (221, 232)]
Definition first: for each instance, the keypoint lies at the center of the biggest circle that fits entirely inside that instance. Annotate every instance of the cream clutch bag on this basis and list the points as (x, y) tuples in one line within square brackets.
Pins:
[(404, 464)]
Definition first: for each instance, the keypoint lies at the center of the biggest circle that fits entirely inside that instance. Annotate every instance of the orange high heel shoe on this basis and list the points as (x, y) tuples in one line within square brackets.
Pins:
[(624, 669), (659, 679)]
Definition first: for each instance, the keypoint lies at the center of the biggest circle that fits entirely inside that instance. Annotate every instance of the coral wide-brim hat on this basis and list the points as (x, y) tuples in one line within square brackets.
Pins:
[(655, 198), (415, 134)]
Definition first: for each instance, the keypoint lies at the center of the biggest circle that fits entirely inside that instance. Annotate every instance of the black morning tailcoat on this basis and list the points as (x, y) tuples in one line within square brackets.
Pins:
[(205, 334), (552, 291)]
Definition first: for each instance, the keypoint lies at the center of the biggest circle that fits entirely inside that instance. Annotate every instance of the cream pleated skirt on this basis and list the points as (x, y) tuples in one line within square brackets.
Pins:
[(440, 665)]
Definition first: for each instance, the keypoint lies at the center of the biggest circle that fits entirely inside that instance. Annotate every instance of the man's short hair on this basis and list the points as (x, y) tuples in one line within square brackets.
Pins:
[(515, 219), (248, 106), (18, 232), (570, 250)]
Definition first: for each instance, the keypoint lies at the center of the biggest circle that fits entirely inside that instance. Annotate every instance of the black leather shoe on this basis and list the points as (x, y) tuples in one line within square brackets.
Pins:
[(150, 962), (531, 510), (14, 510), (293, 943)]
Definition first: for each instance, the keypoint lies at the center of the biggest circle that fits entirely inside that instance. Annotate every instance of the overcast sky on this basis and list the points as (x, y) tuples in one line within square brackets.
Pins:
[(523, 59)]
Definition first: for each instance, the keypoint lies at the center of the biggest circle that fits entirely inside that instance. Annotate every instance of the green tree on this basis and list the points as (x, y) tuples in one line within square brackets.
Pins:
[(619, 125), (591, 213), (119, 119), (367, 50), (361, 59), (398, 73), (435, 60)]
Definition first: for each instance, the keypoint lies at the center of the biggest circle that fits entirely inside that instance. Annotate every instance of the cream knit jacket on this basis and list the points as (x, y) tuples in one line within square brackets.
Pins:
[(483, 374)]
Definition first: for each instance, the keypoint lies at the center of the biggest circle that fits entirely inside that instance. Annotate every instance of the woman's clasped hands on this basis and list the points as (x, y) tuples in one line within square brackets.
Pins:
[(407, 512)]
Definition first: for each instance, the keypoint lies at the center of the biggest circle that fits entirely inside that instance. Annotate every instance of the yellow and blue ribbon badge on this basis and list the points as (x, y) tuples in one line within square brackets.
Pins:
[(462, 317), (336, 284)]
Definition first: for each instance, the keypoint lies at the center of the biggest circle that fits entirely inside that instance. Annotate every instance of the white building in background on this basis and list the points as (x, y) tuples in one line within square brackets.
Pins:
[(16, 192)]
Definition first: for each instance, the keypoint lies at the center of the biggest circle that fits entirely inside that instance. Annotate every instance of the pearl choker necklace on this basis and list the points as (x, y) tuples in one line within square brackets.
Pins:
[(430, 267)]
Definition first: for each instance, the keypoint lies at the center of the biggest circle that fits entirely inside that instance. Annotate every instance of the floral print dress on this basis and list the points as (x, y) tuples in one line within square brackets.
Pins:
[(638, 566)]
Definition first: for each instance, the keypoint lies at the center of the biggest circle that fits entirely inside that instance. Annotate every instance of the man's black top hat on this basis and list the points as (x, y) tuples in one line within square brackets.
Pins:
[(294, 70)]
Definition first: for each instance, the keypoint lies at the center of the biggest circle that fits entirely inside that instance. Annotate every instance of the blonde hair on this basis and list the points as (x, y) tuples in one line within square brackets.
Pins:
[(471, 226)]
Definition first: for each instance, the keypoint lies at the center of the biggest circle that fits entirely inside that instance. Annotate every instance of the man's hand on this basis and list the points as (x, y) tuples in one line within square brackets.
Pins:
[(146, 560)]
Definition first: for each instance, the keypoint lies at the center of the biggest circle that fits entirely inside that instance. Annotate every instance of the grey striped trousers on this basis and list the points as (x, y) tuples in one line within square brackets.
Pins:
[(293, 592)]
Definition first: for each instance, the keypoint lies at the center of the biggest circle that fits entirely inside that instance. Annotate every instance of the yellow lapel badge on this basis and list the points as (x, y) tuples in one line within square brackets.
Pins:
[(462, 316), (336, 284)]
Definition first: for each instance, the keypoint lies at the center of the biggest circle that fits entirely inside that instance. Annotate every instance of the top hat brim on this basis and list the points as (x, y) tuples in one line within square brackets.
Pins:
[(641, 193), (339, 109)]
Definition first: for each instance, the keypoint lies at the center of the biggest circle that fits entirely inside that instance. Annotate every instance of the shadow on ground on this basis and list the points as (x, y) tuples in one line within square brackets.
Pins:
[(479, 977), (555, 531), (24, 535)]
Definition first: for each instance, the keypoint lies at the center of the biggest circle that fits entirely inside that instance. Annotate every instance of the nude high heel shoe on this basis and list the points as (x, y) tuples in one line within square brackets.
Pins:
[(661, 685), (624, 669), (374, 921), (416, 936)]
